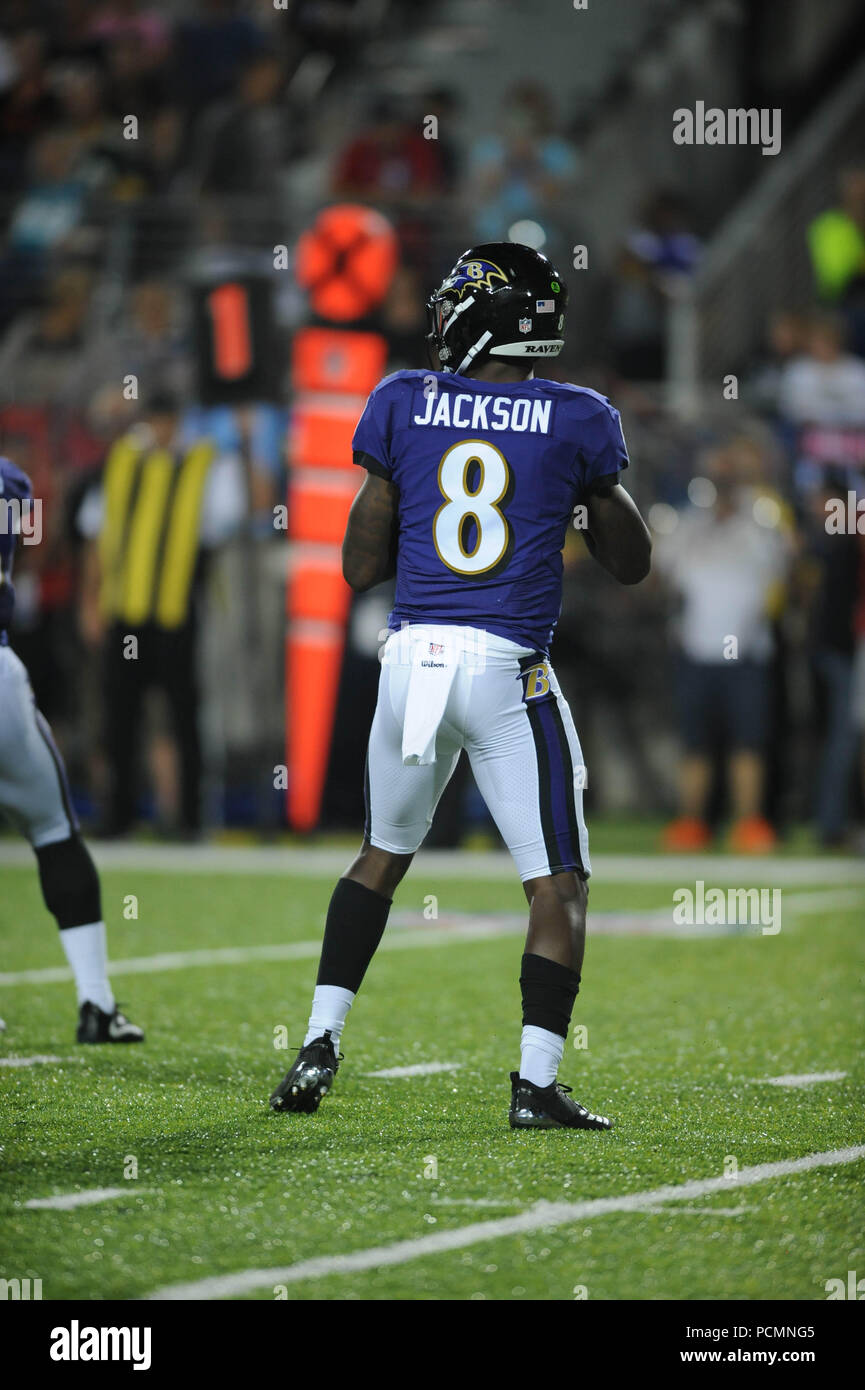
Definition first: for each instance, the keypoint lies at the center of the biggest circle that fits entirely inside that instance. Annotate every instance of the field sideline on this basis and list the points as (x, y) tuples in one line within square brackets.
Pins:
[(732, 1063)]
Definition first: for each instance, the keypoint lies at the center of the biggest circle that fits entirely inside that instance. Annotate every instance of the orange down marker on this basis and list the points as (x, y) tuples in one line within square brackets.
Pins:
[(333, 371)]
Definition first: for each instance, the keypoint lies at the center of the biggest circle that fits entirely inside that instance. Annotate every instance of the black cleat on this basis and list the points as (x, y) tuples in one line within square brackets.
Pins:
[(304, 1087), (96, 1026), (549, 1107)]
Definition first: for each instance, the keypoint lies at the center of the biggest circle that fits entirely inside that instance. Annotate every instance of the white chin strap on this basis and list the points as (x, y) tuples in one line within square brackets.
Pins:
[(473, 351), (460, 309)]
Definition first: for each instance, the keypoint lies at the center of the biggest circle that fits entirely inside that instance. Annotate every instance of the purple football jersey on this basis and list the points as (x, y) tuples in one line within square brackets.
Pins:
[(488, 477)]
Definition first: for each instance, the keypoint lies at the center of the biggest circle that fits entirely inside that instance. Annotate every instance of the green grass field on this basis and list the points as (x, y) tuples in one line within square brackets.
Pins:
[(682, 1035)]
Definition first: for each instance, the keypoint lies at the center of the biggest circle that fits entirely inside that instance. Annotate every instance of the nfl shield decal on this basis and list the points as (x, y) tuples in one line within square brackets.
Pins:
[(525, 325)]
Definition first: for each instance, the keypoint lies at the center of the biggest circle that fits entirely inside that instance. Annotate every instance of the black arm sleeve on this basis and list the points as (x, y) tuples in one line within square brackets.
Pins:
[(371, 464), (605, 483)]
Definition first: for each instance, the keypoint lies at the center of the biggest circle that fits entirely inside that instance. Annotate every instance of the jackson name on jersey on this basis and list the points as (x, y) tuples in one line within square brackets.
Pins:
[(465, 412)]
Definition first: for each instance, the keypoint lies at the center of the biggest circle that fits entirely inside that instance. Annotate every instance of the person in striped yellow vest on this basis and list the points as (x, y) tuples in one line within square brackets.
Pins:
[(164, 500)]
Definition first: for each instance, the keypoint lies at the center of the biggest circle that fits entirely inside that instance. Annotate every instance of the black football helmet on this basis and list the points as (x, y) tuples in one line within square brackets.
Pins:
[(500, 300)]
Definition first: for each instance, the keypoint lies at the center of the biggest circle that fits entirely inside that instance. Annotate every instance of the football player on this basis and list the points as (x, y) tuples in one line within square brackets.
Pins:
[(474, 471), (34, 795)]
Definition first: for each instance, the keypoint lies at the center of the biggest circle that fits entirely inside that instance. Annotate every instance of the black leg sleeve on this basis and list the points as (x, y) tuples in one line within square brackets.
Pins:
[(356, 921), (70, 883), (548, 991)]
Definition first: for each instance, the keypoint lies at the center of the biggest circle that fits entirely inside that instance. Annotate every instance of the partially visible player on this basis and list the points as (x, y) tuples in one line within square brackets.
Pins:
[(34, 795), (473, 474)]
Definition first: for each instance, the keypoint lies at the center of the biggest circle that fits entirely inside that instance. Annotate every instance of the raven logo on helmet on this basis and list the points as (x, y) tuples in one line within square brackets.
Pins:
[(492, 294), (476, 274)]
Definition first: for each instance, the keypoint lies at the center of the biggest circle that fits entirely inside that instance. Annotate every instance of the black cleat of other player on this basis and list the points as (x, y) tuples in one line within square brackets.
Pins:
[(96, 1026), (549, 1107), (304, 1087)]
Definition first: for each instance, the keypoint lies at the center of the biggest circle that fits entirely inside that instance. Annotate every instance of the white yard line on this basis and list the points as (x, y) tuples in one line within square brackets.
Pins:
[(696, 1211), (825, 899), (35, 1061), (806, 1078), (68, 1201), (543, 1216), (476, 930), (472, 1202), (418, 1069), (324, 860), (409, 930)]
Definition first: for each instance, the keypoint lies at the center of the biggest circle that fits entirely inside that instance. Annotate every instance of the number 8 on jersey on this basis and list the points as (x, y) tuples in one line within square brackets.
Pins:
[(481, 503)]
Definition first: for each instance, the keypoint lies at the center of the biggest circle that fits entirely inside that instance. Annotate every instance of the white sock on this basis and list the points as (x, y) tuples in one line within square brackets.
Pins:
[(540, 1055), (330, 1006), (87, 955)]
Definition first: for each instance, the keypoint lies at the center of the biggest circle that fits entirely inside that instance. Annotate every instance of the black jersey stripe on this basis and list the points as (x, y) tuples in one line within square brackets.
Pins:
[(570, 790), (545, 791)]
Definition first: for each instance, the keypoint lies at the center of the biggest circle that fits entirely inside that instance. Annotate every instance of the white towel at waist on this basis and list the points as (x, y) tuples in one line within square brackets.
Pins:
[(435, 659)]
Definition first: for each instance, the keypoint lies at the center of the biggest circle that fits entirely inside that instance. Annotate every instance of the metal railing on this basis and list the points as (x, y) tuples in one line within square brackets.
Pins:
[(758, 260)]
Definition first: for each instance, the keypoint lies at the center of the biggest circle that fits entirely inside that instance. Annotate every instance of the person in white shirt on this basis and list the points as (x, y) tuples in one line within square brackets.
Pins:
[(724, 561), (826, 385)]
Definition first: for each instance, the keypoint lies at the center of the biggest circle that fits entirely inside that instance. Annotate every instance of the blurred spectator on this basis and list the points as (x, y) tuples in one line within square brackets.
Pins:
[(210, 50), (606, 659), (403, 321), (332, 27), (442, 103), (826, 385), (119, 21), (858, 694), (107, 162), (135, 83), (656, 259), (724, 559), (41, 353), (832, 564), (241, 146), (164, 148), (525, 171), (256, 434), (162, 504), (82, 107), (27, 105), (389, 162), (784, 341), (42, 221), (147, 341), (836, 239)]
